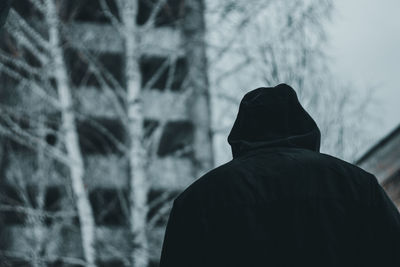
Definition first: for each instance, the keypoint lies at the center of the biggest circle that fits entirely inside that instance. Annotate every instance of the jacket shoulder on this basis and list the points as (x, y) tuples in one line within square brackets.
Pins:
[(336, 162), (207, 182)]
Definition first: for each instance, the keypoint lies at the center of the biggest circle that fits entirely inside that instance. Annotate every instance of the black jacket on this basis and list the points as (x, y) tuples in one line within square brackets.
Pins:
[(279, 201)]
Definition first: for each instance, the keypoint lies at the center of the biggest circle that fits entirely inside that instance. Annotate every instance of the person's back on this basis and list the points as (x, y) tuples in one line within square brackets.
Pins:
[(280, 202)]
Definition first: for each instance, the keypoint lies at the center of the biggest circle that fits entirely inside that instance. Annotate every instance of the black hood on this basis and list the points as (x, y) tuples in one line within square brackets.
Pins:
[(273, 117)]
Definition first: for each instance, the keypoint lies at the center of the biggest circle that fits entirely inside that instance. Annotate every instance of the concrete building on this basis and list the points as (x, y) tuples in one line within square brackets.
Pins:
[(87, 28), (383, 160)]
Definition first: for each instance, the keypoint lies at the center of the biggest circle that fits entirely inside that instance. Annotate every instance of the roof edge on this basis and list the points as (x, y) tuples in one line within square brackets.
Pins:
[(379, 144)]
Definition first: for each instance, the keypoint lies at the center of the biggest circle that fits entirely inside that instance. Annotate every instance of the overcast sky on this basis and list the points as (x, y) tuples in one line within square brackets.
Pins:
[(365, 46)]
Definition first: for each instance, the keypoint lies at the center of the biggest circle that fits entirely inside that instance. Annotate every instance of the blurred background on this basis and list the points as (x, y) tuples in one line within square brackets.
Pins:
[(110, 108)]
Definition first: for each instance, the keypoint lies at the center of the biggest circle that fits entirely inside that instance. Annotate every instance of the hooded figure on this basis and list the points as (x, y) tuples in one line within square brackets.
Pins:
[(279, 201)]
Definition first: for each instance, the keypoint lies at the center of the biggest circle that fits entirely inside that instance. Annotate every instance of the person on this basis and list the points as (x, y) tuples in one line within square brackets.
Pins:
[(279, 201)]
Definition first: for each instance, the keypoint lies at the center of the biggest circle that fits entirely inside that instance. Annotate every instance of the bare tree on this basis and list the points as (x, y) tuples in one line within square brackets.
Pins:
[(137, 176), (283, 42), (71, 136), (194, 29), (24, 197)]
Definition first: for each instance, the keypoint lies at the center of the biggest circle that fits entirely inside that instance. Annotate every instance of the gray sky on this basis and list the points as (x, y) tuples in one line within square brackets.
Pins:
[(364, 40)]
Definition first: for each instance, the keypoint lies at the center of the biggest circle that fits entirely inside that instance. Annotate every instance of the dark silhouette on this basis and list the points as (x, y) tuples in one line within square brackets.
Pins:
[(279, 201)]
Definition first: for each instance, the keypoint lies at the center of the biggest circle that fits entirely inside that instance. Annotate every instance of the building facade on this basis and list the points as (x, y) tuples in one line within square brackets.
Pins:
[(383, 160), (173, 53)]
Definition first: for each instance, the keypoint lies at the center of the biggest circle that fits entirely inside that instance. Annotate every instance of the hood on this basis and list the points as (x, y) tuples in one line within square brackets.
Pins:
[(273, 117)]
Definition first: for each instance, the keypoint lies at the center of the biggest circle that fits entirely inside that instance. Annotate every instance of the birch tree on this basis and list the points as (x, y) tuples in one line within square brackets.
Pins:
[(137, 175), (71, 136), (194, 31)]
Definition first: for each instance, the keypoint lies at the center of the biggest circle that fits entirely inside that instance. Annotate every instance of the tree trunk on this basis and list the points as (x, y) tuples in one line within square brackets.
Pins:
[(138, 182), (199, 102), (76, 168)]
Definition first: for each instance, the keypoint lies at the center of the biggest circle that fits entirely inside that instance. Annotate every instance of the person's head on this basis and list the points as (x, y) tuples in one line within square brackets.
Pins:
[(273, 117), (4, 8)]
